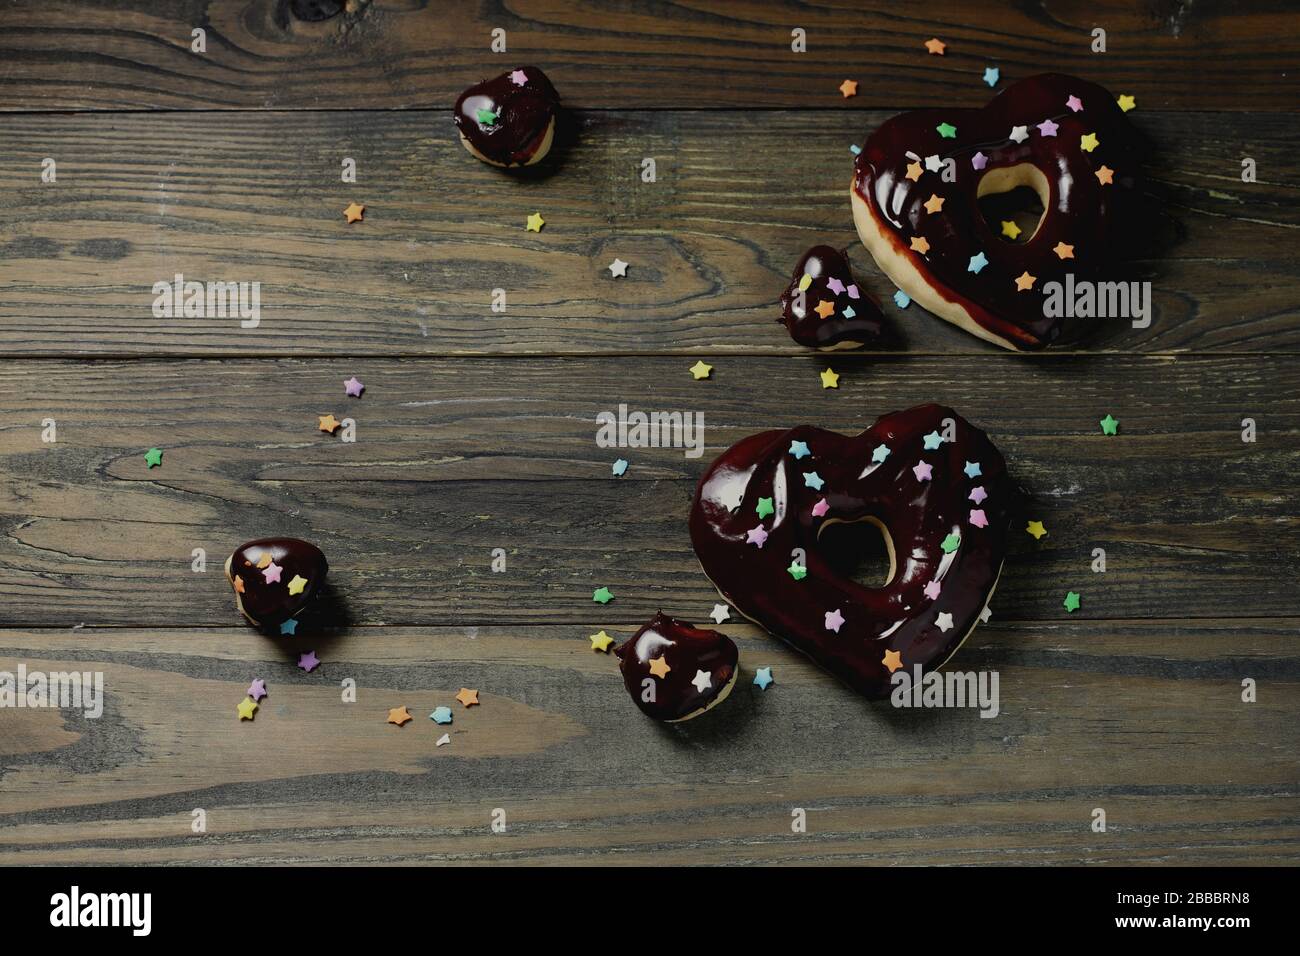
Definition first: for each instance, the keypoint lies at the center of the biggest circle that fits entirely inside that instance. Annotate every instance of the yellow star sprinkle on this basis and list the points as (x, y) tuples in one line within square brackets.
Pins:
[(1063, 250), (1089, 143), (1126, 102), (659, 667), (600, 642), (297, 584), (934, 203), (535, 222), (247, 708), (830, 379), (701, 370), (1036, 529), (913, 171), (1010, 229), (1025, 281), (804, 282)]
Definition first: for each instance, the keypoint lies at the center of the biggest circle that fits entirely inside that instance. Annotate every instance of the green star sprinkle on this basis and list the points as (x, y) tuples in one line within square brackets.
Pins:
[(1072, 601), (487, 117), (765, 507), (797, 571), (1109, 426), (153, 457), (947, 130), (950, 543), (602, 595)]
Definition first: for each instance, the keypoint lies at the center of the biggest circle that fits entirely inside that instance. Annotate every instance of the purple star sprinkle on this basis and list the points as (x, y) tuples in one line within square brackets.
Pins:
[(257, 689), (354, 387), (979, 161), (308, 662), (518, 78), (835, 285), (834, 620), (977, 494), (756, 536), (932, 590), (923, 471), (1047, 128)]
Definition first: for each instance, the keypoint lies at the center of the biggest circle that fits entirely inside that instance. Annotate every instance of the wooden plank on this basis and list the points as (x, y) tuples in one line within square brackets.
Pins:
[(257, 197), (390, 54), (1143, 719), (457, 457)]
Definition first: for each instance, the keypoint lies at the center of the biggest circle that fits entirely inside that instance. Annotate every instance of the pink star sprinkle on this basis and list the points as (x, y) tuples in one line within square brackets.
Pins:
[(835, 285), (932, 590), (834, 620), (923, 471), (272, 573), (308, 662), (1074, 103), (977, 495), (257, 689), (979, 161), (977, 518), (820, 508), (354, 387), (756, 536), (518, 78), (1048, 128)]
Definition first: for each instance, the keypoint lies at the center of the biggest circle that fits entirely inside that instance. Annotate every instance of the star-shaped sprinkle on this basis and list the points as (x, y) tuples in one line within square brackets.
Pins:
[(763, 677), (618, 268), (756, 536), (1019, 133), (519, 78), (355, 211), (934, 203), (1074, 103), (602, 595), (799, 449), (932, 441), (933, 163), (824, 309), (1047, 128), (328, 423), (272, 573), (535, 223), (701, 370), (991, 75), (297, 584), (849, 88), (764, 507), (247, 708), (1109, 426), (1063, 250), (923, 470), (486, 117), (443, 740), (932, 590), (985, 615), (600, 641), (153, 457), (264, 561), (289, 626), (720, 613), (892, 660), (819, 510), (1089, 142), (309, 661), (977, 262), (834, 620), (946, 130), (399, 715), (812, 480), (797, 571), (257, 689), (1126, 102), (978, 518), (835, 285), (978, 494), (619, 467), (467, 697), (979, 161), (902, 299), (830, 379), (441, 715), (1010, 229), (1105, 175), (702, 680), (353, 387), (1071, 602), (914, 171), (1036, 529), (944, 621), (659, 667), (804, 282), (239, 584), (972, 469), (880, 453), (950, 543), (920, 244), (1025, 282), (935, 46)]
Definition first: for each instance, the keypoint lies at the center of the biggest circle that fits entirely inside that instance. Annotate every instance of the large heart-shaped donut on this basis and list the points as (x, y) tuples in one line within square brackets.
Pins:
[(918, 179), (930, 480)]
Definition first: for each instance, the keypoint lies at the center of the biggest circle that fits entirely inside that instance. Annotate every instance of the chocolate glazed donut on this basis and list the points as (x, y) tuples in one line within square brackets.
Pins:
[(510, 120), (824, 308), (931, 481), (1065, 138)]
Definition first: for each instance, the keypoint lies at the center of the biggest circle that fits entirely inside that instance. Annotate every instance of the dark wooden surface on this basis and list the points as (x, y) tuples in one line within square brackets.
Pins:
[(477, 431)]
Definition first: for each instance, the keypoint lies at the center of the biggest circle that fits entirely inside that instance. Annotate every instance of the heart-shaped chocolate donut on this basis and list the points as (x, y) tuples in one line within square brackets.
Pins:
[(510, 120), (674, 671), (824, 308), (919, 177), (932, 482), (275, 578)]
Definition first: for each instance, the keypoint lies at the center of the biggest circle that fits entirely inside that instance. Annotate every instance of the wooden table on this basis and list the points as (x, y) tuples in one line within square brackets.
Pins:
[(477, 432)]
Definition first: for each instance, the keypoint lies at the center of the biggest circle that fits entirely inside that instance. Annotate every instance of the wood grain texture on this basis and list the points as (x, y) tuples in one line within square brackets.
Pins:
[(454, 458), (411, 54), (257, 197), (1143, 719)]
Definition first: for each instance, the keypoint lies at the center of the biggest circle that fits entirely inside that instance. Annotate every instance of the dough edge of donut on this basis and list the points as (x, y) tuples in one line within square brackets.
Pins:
[(537, 157)]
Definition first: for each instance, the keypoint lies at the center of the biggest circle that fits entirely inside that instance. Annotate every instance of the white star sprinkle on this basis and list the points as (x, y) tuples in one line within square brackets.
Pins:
[(618, 268), (985, 615), (703, 681), (944, 621), (720, 613), (933, 163), (1020, 133)]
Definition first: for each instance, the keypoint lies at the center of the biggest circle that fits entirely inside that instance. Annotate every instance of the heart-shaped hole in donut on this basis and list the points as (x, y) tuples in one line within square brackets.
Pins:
[(1018, 194), (861, 550)]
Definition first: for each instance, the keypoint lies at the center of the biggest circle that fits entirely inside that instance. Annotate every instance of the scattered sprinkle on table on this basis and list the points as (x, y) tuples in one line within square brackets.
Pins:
[(309, 661), (441, 715), (468, 697), (1036, 529), (1071, 602), (618, 268), (602, 595), (600, 641), (535, 223), (902, 299), (620, 467), (991, 75), (247, 708), (257, 689), (701, 370), (935, 46), (1109, 426), (720, 613), (399, 715), (444, 739), (328, 423), (830, 378), (353, 386), (355, 211), (153, 457), (289, 627), (763, 677), (849, 88)]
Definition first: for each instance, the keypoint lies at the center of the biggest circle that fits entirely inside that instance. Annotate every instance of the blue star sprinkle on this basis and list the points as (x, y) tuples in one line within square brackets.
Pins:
[(972, 469), (977, 262), (880, 453), (933, 441), (991, 75), (848, 312), (902, 299), (855, 149), (441, 715), (290, 626), (620, 467), (812, 480), (799, 449), (763, 677)]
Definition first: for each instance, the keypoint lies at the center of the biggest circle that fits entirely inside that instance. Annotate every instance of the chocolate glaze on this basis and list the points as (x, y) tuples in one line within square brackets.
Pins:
[(687, 651), (823, 264), (269, 604), (918, 515), (1080, 212), (523, 115)]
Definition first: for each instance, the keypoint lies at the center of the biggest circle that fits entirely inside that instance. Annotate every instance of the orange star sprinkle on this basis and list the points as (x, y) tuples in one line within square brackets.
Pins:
[(849, 88), (936, 46), (1026, 281), (1106, 176), (934, 203), (893, 660), (913, 171), (824, 309), (328, 423), (354, 212), (467, 697), (659, 667), (920, 244), (1063, 250), (399, 715), (239, 584)]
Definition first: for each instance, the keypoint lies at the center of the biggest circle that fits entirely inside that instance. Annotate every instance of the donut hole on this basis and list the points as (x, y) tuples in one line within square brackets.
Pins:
[(1018, 194), (860, 550)]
